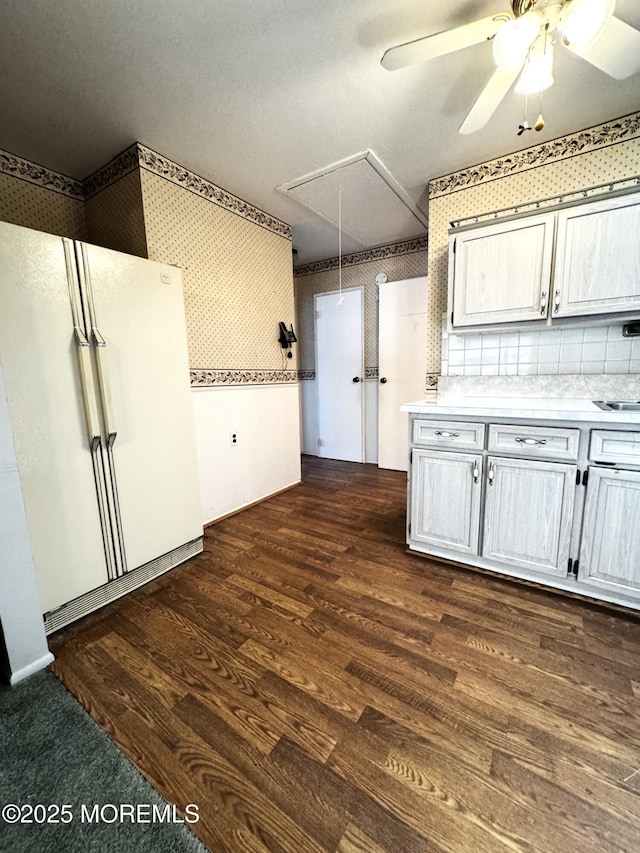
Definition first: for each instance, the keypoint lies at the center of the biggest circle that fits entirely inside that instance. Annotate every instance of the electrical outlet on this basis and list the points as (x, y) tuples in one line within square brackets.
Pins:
[(234, 439)]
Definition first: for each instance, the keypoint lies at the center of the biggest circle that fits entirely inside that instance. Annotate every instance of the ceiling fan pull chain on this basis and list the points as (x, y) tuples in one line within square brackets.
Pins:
[(525, 124), (540, 120)]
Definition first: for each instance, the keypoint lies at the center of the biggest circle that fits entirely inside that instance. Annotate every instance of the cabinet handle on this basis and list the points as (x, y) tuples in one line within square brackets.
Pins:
[(491, 474), (556, 304), (445, 434), (476, 472), (543, 302), (531, 440)]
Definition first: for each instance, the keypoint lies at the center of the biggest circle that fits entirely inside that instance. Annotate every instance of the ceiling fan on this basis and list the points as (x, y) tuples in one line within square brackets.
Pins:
[(523, 40)]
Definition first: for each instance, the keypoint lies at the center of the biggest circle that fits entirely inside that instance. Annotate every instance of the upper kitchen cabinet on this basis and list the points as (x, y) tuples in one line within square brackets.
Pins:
[(501, 273), (597, 267), (576, 261)]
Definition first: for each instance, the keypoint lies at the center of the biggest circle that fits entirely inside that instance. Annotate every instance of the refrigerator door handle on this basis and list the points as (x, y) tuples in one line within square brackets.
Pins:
[(88, 388), (83, 346), (101, 345), (102, 361)]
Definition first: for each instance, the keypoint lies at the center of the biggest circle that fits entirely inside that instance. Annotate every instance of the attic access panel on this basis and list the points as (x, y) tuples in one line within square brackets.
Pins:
[(375, 208)]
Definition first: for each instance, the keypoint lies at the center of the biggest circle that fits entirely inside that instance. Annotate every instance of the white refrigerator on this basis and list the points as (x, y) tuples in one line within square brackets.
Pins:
[(94, 358)]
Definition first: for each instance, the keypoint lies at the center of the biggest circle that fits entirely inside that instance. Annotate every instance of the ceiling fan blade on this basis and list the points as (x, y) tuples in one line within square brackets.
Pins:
[(617, 51), (440, 43), (490, 98)]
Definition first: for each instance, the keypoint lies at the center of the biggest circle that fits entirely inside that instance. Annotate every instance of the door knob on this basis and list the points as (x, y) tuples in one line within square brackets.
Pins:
[(383, 381), (356, 379)]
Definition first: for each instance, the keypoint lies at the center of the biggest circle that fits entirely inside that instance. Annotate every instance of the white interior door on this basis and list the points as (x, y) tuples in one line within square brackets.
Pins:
[(339, 374), (402, 360)]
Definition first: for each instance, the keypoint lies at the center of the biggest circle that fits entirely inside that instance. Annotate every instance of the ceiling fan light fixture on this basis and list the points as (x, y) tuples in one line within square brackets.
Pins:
[(537, 75), (514, 38), (582, 22)]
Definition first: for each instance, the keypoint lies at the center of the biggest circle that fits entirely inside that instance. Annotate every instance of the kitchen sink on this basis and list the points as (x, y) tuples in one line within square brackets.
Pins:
[(618, 405)]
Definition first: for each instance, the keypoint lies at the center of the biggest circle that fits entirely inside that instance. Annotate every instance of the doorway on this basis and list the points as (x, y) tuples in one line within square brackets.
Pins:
[(402, 364)]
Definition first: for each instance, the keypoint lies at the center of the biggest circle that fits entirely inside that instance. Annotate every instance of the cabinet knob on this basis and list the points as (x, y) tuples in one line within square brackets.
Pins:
[(356, 379), (383, 381)]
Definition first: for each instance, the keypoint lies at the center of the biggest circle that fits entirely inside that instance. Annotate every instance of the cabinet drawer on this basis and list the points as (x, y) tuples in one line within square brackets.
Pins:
[(534, 442), (448, 435), (615, 446)]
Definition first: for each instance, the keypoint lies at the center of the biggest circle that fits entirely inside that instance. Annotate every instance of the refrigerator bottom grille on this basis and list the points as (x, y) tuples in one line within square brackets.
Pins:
[(56, 619)]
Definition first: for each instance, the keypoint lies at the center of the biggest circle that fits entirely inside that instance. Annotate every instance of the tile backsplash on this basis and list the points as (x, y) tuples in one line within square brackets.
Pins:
[(591, 350)]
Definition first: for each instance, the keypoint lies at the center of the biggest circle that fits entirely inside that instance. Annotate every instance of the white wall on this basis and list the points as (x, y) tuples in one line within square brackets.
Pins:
[(20, 612), (266, 458)]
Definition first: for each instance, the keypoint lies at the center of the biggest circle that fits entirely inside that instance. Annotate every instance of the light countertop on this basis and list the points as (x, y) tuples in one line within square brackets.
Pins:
[(538, 408)]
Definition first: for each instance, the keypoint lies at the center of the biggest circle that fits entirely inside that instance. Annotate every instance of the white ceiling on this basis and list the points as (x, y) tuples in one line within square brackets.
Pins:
[(253, 94)]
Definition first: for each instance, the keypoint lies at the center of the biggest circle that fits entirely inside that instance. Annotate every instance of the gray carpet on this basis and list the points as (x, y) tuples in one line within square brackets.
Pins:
[(52, 752)]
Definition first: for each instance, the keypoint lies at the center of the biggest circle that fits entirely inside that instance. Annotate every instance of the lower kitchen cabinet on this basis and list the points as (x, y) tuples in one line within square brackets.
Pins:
[(445, 500), (553, 502), (610, 550), (528, 514)]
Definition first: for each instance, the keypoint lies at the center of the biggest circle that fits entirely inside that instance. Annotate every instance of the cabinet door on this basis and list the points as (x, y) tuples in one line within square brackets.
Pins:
[(445, 500), (610, 551), (528, 514), (598, 258), (502, 272)]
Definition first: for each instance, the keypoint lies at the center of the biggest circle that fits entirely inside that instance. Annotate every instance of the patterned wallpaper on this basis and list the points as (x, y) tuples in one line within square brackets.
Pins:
[(398, 261), (238, 280), (34, 206), (115, 216), (608, 152)]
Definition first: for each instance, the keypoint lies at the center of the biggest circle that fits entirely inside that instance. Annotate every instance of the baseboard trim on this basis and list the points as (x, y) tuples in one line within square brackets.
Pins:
[(34, 666), (253, 503)]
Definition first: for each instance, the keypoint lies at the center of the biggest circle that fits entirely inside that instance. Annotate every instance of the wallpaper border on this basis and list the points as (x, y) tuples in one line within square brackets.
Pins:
[(405, 247), (26, 170), (177, 174), (119, 167), (138, 156), (209, 377), (594, 138)]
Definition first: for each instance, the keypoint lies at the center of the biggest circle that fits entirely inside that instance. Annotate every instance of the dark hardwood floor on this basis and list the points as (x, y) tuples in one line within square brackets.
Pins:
[(312, 687)]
